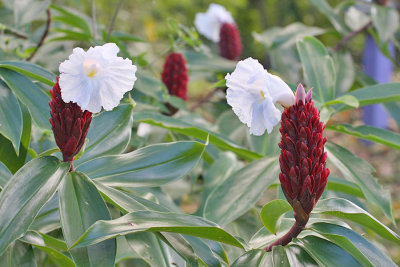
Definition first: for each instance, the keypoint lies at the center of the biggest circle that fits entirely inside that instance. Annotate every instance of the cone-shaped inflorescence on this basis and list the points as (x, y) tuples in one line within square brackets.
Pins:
[(175, 75), (230, 44), (69, 123), (303, 174)]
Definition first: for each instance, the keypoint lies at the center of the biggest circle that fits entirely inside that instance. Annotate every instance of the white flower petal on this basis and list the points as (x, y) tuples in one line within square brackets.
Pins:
[(96, 78), (239, 101), (272, 115), (279, 91), (252, 93), (209, 23)]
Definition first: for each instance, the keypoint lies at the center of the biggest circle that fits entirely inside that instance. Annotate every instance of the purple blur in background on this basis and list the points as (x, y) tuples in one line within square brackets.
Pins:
[(380, 68)]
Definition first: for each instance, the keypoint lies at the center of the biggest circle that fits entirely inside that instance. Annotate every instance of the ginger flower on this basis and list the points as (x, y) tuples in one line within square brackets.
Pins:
[(253, 92), (303, 174), (96, 78), (175, 75), (69, 123), (209, 24)]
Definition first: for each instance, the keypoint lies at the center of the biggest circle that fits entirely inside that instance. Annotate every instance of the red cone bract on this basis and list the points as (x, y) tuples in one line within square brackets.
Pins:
[(303, 174), (230, 44), (69, 123), (175, 75)]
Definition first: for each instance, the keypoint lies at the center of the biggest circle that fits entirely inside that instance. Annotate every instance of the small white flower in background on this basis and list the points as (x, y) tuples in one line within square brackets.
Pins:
[(252, 93), (209, 23), (96, 78)]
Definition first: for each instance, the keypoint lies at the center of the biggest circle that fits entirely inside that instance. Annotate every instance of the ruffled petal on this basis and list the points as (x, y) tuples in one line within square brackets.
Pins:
[(96, 78), (244, 88), (252, 93), (249, 75), (209, 23), (240, 101)]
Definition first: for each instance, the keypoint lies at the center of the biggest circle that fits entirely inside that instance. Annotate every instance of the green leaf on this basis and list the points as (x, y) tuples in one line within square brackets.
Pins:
[(256, 257), (272, 211), (337, 21), (348, 100), (203, 134), (359, 247), (385, 20), (279, 257), (181, 246), (217, 173), (10, 117), (299, 257), (81, 205), (109, 133), (25, 194), (370, 133), (5, 175), (126, 202), (71, 19), (345, 73), (345, 209), (18, 254), (49, 245), (344, 186), (197, 61), (394, 110), (48, 218), (326, 253), (7, 151), (30, 94), (238, 193), (40, 239), (28, 11), (318, 68), (142, 221), (70, 35), (359, 171), (150, 248), (207, 250), (285, 37), (123, 36), (149, 166), (149, 85), (31, 70), (380, 93)]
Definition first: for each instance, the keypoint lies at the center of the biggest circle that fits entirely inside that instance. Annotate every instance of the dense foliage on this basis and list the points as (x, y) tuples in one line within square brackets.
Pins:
[(161, 181)]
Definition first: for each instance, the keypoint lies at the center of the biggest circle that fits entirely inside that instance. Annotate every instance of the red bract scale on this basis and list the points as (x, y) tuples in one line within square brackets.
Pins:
[(303, 174), (230, 44), (175, 75), (69, 123)]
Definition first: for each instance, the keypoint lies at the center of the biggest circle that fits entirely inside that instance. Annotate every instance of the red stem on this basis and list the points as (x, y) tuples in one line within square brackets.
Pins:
[(293, 233), (45, 33)]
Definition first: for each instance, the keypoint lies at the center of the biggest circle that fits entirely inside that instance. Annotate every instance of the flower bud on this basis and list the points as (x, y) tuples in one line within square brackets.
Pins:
[(303, 174), (175, 75), (70, 125), (230, 44)]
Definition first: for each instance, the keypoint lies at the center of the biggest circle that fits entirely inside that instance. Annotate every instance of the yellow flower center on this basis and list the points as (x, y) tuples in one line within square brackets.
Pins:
[(262, 94), (91, 67)]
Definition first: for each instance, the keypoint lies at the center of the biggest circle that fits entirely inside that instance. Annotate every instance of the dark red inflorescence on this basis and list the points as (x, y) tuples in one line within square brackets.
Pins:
[(175, 75), (69, 123), (230, 44), (303, 174)]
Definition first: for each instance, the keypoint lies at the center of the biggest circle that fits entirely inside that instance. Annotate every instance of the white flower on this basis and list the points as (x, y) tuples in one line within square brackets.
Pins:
[(209, 23), (252, 93), (96, 78)]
